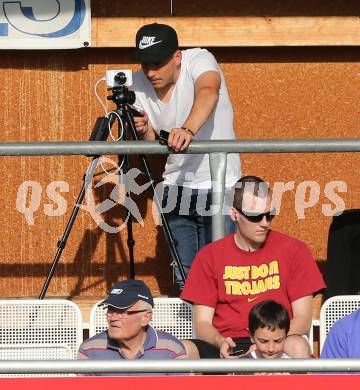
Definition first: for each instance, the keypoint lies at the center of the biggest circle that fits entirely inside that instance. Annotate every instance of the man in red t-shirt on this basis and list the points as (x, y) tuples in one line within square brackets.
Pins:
[(229, 276)]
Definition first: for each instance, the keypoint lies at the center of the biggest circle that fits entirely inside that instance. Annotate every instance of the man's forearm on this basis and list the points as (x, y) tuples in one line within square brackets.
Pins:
[(204, 104), (300, 325), (205, 331), (302, 315)]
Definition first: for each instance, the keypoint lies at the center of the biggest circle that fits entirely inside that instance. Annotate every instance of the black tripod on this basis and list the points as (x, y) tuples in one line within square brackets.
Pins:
[(123, 98)]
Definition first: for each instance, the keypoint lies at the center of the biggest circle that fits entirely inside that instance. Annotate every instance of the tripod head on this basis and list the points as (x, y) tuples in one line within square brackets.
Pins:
[(122, 96)]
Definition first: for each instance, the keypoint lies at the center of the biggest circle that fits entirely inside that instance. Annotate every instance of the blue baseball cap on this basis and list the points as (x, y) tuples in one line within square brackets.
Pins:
[(126, 293)]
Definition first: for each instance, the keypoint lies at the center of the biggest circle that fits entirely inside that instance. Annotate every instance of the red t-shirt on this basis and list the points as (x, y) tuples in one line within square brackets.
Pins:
[(232, 281)]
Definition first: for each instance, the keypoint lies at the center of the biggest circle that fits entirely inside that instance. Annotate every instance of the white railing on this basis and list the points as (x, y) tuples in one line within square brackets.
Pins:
[(180, 366), (217, 154)]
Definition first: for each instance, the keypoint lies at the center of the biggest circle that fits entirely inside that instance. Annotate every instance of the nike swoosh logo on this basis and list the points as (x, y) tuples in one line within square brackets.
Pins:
[(252, 299), (145, 45)]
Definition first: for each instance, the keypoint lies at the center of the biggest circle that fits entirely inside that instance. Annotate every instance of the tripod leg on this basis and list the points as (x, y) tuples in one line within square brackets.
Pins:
[(129, 227), (62, 242), (131, 244), (168, 236)]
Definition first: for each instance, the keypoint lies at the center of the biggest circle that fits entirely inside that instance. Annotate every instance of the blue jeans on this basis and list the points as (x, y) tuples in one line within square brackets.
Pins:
[(189, 228)]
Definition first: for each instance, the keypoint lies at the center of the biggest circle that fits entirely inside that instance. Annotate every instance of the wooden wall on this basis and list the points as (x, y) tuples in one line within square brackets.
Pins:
[(277, 93)]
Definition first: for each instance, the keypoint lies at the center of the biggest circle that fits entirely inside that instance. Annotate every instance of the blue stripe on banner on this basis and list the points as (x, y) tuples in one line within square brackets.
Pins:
[(4, 29), (29, 13), (73, 25)]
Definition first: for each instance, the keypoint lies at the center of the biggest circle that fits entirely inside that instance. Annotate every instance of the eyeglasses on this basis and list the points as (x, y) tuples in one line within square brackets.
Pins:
[(256, 217), (122, 313)]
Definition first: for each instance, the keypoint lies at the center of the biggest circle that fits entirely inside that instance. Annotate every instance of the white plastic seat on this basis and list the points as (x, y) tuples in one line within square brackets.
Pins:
[(46, 326), (333, 309), (171, 315), (35, 352)]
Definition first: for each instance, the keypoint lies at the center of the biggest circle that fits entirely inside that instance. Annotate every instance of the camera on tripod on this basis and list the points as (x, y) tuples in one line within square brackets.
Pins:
[(119, 81), (119, 78)]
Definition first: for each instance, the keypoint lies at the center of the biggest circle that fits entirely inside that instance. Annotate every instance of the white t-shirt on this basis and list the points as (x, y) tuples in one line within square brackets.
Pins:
[(191, 170)]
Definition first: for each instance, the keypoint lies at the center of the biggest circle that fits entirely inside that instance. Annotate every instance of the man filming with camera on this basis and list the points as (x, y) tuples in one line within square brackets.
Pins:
[(184, 93)]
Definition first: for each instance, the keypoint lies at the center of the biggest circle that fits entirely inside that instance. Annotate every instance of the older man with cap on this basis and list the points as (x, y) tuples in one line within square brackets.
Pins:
[(129, 335), (184, 93)]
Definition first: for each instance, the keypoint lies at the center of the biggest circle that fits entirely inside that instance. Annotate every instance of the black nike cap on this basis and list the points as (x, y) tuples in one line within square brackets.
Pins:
[(155, 43)]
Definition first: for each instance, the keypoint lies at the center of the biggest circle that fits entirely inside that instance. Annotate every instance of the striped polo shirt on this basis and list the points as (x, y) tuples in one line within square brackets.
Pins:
[(157, 345)]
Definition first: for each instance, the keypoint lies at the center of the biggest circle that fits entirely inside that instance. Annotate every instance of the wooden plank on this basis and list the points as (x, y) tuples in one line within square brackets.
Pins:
[(317, 303), (235, 31)]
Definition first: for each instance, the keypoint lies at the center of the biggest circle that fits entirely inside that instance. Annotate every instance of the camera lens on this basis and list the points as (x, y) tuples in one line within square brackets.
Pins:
[(120, 78)]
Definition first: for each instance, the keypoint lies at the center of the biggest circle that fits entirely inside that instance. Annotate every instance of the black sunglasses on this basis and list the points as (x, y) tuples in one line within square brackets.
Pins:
[(255, 217)]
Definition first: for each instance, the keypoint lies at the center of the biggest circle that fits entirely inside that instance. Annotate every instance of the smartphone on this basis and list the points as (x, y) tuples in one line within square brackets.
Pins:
[(237, 352), (242, 346), (163, 137)]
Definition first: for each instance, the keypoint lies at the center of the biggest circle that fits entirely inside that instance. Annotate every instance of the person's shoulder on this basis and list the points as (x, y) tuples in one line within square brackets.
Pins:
[(356, 315), (224, 241), (198, 55), (276, 235), (285, 239), (195, 51), (162, 335), (348, 320), (100, 340), (168, 341), (218, 244)]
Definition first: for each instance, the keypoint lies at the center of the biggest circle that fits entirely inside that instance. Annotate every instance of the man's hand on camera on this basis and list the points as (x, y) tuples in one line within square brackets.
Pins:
[(142, 124), (179, 139)]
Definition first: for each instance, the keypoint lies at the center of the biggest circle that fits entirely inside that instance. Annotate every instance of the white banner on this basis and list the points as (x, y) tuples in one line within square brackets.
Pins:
[(45, 24)]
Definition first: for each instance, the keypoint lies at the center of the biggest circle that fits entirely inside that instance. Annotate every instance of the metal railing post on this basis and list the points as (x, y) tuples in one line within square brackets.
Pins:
[(217, 171)]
